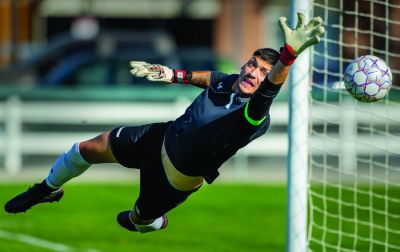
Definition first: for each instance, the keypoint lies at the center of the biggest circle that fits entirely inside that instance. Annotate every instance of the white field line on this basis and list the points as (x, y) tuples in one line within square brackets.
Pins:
[(28, 239)]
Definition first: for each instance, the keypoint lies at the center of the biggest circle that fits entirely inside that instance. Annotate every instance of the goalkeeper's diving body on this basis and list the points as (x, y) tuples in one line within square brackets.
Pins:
[(175, 157)]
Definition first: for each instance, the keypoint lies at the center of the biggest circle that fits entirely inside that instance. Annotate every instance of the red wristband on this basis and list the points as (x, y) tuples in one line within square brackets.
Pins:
[(287, 55), (182, 76)]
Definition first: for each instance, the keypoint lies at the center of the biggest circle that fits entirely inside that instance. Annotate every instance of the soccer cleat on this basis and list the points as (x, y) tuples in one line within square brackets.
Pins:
[(124, 220), (39, 193)]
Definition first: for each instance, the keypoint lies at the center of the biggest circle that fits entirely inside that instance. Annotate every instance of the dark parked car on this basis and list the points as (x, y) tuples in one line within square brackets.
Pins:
[(99, 61)]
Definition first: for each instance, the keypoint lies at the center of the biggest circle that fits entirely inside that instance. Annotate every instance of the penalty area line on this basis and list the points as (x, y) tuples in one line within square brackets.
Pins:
[(34, 241)]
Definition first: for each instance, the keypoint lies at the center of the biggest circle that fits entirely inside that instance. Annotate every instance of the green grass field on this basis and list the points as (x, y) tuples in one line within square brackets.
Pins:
[(365, 219), (222, 217)]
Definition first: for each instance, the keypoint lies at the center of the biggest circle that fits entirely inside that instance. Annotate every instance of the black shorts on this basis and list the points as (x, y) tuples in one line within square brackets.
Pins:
[(140, 147)]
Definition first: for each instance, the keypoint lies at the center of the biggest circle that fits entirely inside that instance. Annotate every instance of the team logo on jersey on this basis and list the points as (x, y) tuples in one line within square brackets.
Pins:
[(219, 85)]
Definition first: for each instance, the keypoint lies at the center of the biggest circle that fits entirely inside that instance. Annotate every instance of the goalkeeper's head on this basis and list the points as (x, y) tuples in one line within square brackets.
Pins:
[(256, 69)]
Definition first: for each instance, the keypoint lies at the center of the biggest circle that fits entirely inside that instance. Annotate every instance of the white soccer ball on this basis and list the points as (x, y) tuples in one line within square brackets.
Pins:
[(368, 78)]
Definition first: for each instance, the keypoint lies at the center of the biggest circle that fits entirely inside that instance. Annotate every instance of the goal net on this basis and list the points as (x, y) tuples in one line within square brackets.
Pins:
[(354, 148)]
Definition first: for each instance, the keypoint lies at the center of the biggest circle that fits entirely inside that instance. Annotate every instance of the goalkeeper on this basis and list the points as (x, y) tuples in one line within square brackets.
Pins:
[(175, 157)]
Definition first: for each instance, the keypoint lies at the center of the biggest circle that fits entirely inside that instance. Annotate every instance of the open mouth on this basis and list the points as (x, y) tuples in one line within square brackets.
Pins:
[(248, 82)]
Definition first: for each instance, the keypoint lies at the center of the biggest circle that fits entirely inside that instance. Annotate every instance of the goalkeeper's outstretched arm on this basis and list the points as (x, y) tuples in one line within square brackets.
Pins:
[(201, 79), (296, 41), (157, 72)]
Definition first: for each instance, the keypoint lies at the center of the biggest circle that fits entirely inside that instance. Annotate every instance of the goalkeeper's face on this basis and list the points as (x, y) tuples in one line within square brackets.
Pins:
[(252, 74)]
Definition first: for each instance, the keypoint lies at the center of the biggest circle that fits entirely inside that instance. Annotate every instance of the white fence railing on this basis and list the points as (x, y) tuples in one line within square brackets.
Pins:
[(19, 138), (16, 140)]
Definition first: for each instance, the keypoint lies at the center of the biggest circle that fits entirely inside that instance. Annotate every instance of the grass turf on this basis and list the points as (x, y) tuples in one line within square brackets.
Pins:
[(223, 217), (355, 218)]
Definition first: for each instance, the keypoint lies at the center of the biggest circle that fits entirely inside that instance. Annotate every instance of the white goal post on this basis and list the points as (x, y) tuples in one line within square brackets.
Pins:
[(299, 80), (344, 156)]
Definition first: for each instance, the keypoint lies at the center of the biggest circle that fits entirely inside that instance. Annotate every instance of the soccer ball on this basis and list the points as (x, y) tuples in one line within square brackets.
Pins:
[(368, 78)]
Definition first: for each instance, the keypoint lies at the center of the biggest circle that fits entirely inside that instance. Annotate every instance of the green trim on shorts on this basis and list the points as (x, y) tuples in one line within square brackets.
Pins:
[(251, 121)]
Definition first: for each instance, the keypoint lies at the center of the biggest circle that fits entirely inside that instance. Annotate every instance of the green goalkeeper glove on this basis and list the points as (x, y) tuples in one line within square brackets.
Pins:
[(299, 39), (153, 72)]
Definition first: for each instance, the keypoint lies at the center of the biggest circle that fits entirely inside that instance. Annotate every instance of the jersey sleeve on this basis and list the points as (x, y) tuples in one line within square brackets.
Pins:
[(216, 77), (257, 108)]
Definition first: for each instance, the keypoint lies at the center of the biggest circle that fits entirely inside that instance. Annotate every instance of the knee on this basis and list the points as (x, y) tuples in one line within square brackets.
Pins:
[(94, 149), (98, 144)]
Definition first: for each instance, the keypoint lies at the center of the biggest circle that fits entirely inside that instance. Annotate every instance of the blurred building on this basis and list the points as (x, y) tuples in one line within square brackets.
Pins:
[(231, 28)]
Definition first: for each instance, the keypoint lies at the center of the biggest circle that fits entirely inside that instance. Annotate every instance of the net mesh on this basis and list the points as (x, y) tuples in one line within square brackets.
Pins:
[(354, 148)]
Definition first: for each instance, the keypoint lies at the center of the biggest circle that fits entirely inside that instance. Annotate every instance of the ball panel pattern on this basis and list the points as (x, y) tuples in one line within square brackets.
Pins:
[(368, 78)]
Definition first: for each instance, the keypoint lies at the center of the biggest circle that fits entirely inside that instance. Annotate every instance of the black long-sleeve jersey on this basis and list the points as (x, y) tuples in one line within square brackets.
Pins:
[(214, 127)]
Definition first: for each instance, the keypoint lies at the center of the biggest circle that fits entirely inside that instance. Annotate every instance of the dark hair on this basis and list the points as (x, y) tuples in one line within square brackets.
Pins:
[(268, 54)]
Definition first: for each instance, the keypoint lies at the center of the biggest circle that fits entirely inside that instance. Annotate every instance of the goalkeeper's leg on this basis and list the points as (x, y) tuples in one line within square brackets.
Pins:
[(68, 165), (131, 221), (156, 198)]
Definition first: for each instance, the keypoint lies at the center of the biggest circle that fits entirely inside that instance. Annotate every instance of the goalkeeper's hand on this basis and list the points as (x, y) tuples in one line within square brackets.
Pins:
[(153, 72), (297, 40)]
